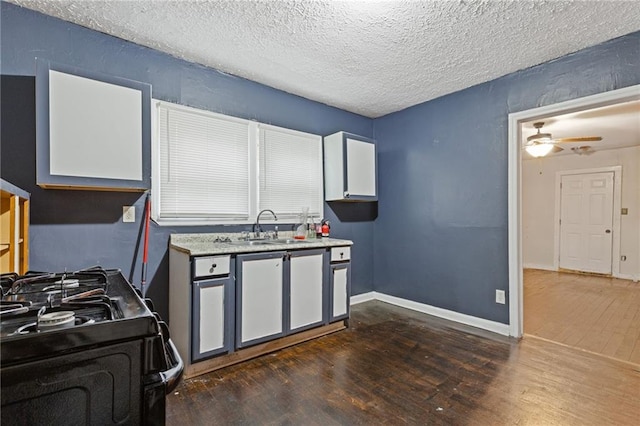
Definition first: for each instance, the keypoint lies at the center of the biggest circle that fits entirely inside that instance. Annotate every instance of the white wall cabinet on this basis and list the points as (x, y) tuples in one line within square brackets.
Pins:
[(350, 168), (93, 131)]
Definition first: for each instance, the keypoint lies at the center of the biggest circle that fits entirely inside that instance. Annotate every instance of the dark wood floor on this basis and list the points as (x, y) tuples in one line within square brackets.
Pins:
[(395, 366)]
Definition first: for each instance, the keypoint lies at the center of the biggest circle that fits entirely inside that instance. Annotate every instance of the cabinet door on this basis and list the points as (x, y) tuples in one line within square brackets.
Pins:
[(93, 130), (260, 298), (350, 165), (306, 285), (211, 330), (361, 169), (340, 291)]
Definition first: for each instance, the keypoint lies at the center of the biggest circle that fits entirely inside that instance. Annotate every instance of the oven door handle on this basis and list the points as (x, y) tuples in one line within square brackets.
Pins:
[(171, 377)]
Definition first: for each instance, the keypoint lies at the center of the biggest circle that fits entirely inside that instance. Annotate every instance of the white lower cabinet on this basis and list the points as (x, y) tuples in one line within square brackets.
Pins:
[(306, 289), (339, 283), (223, 303), (211, 323), (201, 305), (260, 290)]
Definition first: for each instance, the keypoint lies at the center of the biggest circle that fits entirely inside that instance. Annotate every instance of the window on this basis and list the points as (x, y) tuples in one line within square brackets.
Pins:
[(214, 169)]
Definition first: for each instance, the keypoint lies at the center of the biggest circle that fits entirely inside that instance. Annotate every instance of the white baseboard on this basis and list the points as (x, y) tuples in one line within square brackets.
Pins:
[(537, 266), (484, 324), (633, 278), (364, 297)]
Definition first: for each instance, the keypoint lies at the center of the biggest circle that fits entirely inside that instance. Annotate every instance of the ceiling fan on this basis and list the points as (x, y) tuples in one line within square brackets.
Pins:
[(541, 144)]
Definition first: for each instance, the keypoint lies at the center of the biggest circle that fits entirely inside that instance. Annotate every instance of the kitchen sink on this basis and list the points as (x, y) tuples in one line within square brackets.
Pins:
[(286, 241), (250, 242), (279, 241)]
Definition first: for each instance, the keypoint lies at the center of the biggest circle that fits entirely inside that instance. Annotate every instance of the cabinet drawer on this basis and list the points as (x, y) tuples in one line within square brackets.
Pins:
[(340, 253), (211, 265)]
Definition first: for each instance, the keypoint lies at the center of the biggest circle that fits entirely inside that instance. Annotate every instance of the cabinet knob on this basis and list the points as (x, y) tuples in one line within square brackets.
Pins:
[(341, 255), (213, 266), (608, 231)]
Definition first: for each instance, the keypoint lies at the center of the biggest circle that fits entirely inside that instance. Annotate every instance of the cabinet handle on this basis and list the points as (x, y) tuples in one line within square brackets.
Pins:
[(213, 267), (341, 255)]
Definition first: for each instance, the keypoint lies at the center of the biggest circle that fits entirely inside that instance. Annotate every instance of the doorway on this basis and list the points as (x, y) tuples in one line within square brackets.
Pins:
[(516, 291)]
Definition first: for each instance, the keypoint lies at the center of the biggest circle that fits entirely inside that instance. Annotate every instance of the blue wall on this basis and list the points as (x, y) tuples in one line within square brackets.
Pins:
[(441, 232), (440, 236), (76, 229)]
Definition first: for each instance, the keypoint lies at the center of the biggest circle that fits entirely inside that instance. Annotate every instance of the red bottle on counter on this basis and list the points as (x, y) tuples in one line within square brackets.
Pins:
[(325, 228)]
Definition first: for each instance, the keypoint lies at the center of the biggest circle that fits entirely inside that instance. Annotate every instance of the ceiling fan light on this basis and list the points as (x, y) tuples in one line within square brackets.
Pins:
[(539, 150), (540, 137)]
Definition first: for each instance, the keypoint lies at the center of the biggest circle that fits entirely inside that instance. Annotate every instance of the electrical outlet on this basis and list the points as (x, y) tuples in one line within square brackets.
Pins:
[(500, 297), (128, 213)]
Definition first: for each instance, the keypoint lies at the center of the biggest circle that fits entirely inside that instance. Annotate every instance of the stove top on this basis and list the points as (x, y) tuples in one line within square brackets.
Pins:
[(41, 313)]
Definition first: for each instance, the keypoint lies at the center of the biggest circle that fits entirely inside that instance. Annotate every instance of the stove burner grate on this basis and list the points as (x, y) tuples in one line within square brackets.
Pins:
[(35, 327)]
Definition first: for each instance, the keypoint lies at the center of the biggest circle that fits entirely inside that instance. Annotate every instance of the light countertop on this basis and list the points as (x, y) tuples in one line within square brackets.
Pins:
[(208, 244)]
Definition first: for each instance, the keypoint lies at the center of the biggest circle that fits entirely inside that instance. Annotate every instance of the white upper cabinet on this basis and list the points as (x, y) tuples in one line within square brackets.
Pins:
[(93, 131), (350, 168)]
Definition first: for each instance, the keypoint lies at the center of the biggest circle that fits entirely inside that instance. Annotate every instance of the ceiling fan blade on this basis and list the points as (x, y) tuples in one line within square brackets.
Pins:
[(556, 149), (583, 139)]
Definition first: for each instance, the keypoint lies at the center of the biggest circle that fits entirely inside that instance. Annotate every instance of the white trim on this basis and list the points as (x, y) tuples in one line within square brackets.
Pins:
[(630, 277), (481, 323), (538, 266), (515, 183), (617, 202), (361, 298)]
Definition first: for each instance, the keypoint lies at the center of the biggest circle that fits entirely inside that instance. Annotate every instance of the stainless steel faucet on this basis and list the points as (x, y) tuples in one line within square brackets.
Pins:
[(257, 229)]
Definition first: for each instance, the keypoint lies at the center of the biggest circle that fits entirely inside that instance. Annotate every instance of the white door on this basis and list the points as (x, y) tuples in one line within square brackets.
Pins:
[(586, 219)]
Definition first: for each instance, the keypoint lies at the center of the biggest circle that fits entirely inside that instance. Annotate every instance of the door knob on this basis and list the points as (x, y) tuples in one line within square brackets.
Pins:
[(608, 231)]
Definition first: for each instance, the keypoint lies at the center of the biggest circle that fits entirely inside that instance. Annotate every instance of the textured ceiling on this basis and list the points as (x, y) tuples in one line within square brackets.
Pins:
[(368, 57)]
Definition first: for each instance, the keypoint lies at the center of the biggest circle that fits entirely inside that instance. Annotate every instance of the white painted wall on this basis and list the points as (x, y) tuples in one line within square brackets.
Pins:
[(538, 198)]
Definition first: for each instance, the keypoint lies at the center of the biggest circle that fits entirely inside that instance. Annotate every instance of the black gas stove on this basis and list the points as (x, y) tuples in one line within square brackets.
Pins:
[(82, 347)]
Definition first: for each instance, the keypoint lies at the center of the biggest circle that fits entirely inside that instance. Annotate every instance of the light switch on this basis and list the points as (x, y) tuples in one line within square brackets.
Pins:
[(128, 213), (624, 210)]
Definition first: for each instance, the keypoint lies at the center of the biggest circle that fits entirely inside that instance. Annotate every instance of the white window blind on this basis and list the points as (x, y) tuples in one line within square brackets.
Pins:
[(290, 172), (210, 168), (204, 165)]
